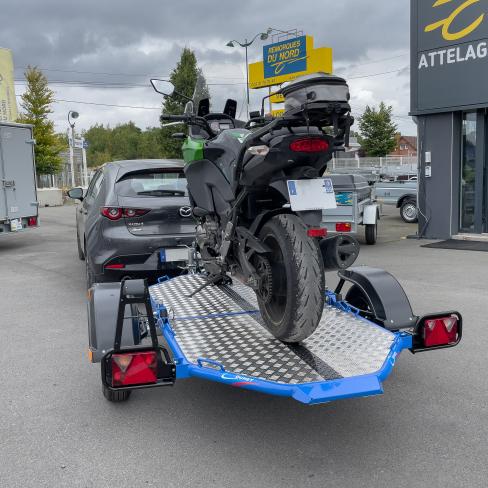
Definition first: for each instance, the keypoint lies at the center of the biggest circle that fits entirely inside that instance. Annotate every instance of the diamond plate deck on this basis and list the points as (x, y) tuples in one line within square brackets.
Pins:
[(223, 324)]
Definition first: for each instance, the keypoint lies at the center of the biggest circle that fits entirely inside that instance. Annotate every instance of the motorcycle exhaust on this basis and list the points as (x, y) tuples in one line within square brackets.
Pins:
[(339, 252)]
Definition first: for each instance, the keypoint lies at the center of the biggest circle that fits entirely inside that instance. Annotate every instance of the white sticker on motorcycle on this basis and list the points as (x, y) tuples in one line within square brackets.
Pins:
[(316, 194)]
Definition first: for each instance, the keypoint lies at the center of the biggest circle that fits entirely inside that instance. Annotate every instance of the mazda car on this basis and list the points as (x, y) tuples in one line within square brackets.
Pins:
[(134, 220)]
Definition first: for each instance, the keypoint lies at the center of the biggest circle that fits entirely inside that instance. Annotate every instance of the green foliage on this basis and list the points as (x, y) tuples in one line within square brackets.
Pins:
[(36, 104), (125, 141), (377, 131), (184, 78)]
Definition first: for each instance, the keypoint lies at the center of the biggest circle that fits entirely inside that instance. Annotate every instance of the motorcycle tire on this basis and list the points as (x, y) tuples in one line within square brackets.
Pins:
[(298, 282)]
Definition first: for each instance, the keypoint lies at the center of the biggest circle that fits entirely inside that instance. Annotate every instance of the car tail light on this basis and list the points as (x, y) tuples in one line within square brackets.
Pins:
[(116, 213), (135, 368), (343, 227), (115, 266), (32, 221), (310, 145), (440, 331), (317, 232)]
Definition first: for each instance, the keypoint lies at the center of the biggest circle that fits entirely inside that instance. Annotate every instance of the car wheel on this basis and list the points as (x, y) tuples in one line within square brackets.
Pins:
[(81, 254), (409, 211)]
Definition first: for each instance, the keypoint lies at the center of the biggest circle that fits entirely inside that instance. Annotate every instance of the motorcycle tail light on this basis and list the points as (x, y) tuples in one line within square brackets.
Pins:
[(317, 232), (309, 145)]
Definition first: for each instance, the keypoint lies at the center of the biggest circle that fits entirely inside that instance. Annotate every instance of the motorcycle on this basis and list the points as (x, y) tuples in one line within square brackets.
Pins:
[(257, 192)]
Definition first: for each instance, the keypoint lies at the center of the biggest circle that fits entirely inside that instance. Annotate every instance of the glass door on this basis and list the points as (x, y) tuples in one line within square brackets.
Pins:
[(474, 174)]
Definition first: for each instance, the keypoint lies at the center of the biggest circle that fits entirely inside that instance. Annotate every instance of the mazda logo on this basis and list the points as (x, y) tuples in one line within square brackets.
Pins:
[(185, 212)]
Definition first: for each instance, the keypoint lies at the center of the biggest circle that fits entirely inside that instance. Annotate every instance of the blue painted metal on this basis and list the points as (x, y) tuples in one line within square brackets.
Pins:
[(308, 393)]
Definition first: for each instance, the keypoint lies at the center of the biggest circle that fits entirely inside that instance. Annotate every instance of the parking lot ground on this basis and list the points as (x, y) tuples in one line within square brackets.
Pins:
[(56, 429)]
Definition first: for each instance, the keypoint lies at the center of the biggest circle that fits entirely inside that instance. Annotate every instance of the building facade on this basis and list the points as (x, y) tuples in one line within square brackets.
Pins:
[(406, 146), (449, 99)]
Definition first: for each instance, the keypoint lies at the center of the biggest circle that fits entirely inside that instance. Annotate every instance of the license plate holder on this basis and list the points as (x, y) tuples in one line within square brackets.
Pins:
[(173, 254), (314, 194)]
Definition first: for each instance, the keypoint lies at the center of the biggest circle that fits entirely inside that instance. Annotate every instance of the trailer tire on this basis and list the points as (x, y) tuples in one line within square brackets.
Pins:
[(409, 211), (115, 396), (358, 299), (371, 233), (294, 310), (81, 254)]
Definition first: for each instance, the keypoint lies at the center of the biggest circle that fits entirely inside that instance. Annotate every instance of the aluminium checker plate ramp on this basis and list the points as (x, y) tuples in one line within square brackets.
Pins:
[(218, 335)]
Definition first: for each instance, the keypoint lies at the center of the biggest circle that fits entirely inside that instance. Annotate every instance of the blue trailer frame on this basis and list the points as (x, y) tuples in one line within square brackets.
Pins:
[(196, 334)]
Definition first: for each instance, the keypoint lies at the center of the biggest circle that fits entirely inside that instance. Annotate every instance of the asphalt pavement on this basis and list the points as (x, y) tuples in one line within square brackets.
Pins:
[(430, 428)]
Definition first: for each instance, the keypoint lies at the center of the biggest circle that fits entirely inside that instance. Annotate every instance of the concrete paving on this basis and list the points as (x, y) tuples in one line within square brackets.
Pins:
[(56, 429)]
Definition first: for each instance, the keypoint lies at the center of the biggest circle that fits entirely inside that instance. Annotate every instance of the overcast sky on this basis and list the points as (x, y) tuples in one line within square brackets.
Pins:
[(89, 49)]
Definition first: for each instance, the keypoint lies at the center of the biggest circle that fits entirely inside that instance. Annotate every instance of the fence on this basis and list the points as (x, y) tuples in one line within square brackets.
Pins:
[(63, 179), (376, 168)]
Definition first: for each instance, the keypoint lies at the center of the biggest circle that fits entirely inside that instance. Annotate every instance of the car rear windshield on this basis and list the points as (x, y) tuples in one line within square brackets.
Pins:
[(152, 184)]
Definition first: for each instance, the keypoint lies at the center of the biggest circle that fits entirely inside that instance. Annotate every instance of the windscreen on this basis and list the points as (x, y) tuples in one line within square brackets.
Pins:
[(152, 184), (201, 90)]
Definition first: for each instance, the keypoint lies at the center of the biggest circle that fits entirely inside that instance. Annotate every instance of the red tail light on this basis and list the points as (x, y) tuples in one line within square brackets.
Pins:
[(317, 232), (116, 213), (343, 227), (134, 368), (32, 221), (440, 331), (115, 266), (310, 145)]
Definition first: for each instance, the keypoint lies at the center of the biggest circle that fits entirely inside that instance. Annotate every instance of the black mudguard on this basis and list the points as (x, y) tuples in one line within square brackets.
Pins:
[(387, 300), (103, 306)]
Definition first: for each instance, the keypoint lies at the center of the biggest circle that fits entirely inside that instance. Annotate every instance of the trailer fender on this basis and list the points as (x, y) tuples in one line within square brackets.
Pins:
[(370, 214), (103, 306), (382, 294)]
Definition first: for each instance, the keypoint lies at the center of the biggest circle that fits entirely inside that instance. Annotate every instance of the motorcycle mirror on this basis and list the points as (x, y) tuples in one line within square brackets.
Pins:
[(189, 108), (164, 87)]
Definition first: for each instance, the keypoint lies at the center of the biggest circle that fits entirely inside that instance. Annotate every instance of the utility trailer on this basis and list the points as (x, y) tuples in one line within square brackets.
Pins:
[(218, 335), (356, 208), (18, 194)]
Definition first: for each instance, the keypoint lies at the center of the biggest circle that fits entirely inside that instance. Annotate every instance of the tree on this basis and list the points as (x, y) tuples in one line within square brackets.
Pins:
[(184, 78), (124, 141), (377, 131), (36, 104)]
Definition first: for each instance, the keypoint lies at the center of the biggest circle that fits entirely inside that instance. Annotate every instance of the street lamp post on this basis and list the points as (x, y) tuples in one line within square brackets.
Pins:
[(72, 115), (263, 36)]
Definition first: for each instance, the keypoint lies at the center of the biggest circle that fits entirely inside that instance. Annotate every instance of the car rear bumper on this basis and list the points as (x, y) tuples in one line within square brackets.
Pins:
[(135, 255)]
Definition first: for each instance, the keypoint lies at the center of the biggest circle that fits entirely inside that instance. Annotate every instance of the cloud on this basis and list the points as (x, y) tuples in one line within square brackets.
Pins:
[(137, 39)]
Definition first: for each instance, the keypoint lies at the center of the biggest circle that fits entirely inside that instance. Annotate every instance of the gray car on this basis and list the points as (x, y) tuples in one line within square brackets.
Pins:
[(134, 220)]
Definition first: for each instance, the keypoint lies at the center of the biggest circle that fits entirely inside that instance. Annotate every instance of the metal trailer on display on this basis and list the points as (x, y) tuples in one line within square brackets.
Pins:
[(18, 193), (356, 208), (218, 335)]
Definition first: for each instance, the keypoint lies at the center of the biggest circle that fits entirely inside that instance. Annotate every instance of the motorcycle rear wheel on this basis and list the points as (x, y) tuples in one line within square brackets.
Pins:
[(298, 283)]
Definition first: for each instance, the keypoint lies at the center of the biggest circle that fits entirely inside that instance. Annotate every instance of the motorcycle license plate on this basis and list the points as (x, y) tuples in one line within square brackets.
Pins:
[(316, 194)]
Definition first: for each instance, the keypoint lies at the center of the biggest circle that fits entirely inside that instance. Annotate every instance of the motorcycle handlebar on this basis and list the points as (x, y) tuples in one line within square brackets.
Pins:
[(174, 118)]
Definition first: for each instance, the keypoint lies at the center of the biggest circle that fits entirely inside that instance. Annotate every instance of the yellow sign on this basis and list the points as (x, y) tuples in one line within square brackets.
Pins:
[(8, 104), (319, 59), (278, 98), (278, 112), (446, 23)]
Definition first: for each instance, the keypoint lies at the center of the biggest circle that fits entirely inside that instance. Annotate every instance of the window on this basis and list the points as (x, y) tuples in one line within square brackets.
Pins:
[(152, 184), (468, 172)]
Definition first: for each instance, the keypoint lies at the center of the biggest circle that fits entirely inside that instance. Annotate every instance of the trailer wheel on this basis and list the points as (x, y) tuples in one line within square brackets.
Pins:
[(371, 233), (409, 211), (358, 299), (115, 396)]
